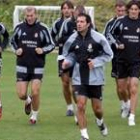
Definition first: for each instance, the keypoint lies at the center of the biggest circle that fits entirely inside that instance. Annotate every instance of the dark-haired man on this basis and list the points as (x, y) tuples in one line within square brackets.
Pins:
[(59, 39), (87, 51), (123, 95), (31, 42), (126, 33)]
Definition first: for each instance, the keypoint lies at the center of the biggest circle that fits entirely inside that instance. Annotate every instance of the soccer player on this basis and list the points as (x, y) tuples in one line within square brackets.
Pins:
[(4, 39), (31, 42), (56, 32), (122, 89), (70, 28), (126, 33), (87, 51)]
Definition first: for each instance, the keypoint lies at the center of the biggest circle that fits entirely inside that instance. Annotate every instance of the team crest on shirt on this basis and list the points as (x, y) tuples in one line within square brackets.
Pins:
[(138, 30), (76, 47), (126, 28), (90, 49), (24, 34), (36, 35)]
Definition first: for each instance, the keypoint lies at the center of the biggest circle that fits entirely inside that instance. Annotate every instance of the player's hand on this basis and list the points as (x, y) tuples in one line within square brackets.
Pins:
[(39, 50), (65, 64), (19, 51), (90, 64)]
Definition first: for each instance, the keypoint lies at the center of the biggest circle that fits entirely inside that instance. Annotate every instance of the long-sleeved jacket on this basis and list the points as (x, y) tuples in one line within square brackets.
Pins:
[(60, 33), (108, 27), (4, 37), (56, 27), (29, 37), (77, 50), (126, 31), (107, 33)]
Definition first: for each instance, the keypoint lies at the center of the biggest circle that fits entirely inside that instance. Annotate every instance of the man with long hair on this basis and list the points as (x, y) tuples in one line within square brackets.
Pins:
[(126, 33)]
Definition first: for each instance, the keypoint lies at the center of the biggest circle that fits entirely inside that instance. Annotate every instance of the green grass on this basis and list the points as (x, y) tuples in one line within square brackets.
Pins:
[(52, 123)]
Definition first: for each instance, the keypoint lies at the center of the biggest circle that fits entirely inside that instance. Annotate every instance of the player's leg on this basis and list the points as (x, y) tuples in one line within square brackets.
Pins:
[(96, 102), (35, 93), (75, 104), (133, 89), (119, 96), (81, 108), (73, 96), (67, 91), (122, 87), (122, 97), (66, 87), (22, 87)]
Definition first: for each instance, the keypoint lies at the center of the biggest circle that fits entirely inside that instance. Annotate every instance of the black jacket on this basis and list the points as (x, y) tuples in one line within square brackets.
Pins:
[(29, 37)]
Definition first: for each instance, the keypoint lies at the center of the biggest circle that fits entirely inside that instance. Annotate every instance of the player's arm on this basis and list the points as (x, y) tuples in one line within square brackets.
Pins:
[(69, 61), (106, 54), (68, 30), (48, 44), (115, 33), (5, 40), (55, 31), (5, 37), (14, 42), (69, 44), (14, 39)]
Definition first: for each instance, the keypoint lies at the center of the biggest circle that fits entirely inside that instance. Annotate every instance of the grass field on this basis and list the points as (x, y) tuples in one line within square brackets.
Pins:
[(52, 123)]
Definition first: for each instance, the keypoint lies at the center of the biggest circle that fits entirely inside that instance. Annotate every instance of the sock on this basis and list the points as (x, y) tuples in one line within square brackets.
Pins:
[(28, 100), (70, 107), (132, 116), (75, 112), (75, 118), (34, 115), (122, 104), (99, 121), (127, 104), (84, 133)]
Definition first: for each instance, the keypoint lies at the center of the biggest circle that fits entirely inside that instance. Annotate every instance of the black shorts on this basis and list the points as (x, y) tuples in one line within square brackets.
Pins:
[(28, 76), (90, 91), (128, 70), (61, 71)]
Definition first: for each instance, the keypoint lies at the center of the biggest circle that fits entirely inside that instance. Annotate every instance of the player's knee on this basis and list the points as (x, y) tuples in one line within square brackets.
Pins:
[(22, 97), (81, 106), (121, 90), (66, 84)]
